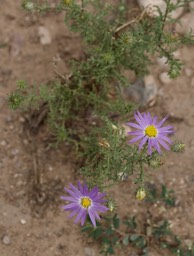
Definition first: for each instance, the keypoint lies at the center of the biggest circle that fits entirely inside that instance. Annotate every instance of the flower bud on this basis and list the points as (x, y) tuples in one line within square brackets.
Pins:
[(111, 205), (178, 147), (141, 193), (67, 2), (28, 5), (174, 71), (155, 163)]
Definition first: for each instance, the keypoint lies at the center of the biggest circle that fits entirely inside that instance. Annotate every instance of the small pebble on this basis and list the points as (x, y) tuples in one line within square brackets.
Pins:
[(89, 251), (162, 61), (164, 78), (15, 152), (3, 143), (23, 221), (21, 119), (50, 168), (6, 240), (44, 34), (188, 72)]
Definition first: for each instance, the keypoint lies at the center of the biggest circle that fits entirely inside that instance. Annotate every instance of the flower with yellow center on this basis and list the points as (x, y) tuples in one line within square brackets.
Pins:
[(84, 201), (150, 132), (141, 194)]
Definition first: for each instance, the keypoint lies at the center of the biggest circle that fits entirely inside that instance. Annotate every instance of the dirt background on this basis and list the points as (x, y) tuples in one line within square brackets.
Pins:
[(31, 220)]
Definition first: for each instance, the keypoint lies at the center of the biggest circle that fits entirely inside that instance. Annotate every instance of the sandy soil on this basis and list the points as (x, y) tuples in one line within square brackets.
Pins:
[(31, 221)]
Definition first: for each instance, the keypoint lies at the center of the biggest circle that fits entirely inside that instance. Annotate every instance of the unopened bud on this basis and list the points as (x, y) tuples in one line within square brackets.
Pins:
[(67, 2), (103, 143), (28, 5), (111, 205), (155, 163), (178, 147), (141, 193), (174, 71)]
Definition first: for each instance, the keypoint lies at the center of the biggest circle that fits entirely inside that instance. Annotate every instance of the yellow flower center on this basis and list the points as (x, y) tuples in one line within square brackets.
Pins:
[(86, 202), (151, 131)]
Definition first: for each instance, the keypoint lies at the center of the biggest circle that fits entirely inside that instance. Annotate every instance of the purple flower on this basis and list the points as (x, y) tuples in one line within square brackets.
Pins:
[(151, 132), (84, 201)]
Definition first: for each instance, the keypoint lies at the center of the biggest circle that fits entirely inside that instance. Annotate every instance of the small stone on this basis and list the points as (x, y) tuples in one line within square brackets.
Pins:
[(152, 9), (162, 61), (188, 72), (21, 119), (23, 221), (6, 240), (50, 168), (3, 143), (151, 90), (185, 24), (89, 251), (142, 92), (15, 152), (192, 82), (44, 34), (192, 5), (164, 78)]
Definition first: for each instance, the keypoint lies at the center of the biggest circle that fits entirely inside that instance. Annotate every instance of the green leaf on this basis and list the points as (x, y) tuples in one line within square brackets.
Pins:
[(134, 237), (110, 250), (126, 240), (86, 228), (116, 221)]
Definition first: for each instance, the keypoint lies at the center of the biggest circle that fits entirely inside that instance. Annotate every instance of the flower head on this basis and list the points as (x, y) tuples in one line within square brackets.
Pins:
[(141, 194), (150, 131), (83, 201)]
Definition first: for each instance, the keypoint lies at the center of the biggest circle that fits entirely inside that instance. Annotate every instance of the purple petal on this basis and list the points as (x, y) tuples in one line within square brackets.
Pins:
[(72, 193), (79, 215), (70, 207), (163, 137), (75, 190), (69, 198), (80, 186), (100, 208), (149, 146), (164, 144), (154, 120), (96, 214), (92, 217), (99, 196), (73, 212), (145, 138), (136, 133), (157, 147), (149, 118), (165, 128), (136, 138), (141, 121), (85, 190), (100, 200), (161, 122), (93, 192), (134, 125), (83, 217)]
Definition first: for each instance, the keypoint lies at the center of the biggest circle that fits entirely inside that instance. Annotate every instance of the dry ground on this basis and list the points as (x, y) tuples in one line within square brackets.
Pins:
[(48, 232)]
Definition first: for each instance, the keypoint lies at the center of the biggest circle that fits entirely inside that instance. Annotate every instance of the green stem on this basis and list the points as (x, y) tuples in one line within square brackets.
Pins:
[(164, 19)]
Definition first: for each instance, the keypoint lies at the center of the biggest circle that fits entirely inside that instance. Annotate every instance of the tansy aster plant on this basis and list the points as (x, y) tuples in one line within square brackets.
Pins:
[(151, 132), (84, 201)]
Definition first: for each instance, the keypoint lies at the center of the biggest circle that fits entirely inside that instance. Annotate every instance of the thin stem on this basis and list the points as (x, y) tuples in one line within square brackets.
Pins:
[(131, 22), (164, 19)]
